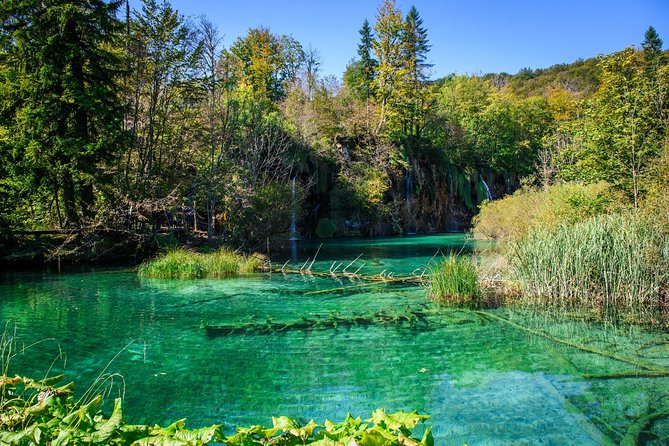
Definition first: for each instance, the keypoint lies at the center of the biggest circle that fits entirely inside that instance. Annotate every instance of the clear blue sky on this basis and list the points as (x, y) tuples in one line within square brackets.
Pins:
[(467, 36)]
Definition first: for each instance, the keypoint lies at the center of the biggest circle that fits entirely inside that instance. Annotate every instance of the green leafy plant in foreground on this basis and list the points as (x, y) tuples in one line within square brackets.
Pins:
[(36, 413)]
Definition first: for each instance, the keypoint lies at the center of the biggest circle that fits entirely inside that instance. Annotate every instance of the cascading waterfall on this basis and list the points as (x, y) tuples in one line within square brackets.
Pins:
[(451, 225), (293, 217), (409, 188), (488, 195)]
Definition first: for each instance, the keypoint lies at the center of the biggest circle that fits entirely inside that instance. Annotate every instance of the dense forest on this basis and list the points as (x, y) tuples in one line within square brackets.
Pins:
[(119, 124)]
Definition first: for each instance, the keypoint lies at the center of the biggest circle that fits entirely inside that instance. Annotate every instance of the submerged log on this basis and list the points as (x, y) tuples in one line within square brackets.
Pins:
[(414, 319)]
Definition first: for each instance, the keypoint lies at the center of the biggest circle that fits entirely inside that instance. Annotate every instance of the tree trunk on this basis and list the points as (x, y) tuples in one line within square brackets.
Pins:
[(87, 202), (69, 201)]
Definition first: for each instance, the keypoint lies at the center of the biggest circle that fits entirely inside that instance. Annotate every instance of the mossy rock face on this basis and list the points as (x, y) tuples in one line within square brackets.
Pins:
[(325, 228)]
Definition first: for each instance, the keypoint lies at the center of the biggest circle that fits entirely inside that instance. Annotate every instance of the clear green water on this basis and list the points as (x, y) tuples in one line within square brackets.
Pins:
[(483, 382)]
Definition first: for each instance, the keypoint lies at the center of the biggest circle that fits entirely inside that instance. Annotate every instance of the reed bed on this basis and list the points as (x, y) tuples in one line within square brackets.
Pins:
[(454, 281), (615, 264), (184, 264)]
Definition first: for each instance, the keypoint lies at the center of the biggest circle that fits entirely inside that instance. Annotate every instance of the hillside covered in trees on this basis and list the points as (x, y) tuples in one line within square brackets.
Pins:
[(116, 124)]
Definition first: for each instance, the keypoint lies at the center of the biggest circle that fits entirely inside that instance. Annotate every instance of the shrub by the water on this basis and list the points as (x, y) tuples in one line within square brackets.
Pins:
[(656, 202), (454, 281), (325, 228), (184, 264), (615, 264), (513, 216)]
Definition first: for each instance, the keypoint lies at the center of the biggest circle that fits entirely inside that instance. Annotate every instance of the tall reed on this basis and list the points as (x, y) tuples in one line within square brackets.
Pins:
[(454, 281), (616, 264), (184, 264)]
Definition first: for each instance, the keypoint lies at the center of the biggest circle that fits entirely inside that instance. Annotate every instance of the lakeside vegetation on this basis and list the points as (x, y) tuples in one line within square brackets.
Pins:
[(617, 265), (180, 263), (577, 247), (454, 281), (38, 412)]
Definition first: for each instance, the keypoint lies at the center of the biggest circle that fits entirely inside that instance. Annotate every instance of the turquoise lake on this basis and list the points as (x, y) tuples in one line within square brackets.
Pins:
[(483, 381)]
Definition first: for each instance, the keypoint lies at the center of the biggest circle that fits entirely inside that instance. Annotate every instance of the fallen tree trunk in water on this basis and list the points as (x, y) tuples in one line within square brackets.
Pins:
[(413, 319)]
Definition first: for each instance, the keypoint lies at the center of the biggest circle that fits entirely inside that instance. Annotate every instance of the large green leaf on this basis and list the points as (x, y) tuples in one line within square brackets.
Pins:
[(378, 436), (204, 435), (428, 439), (64, 437), (162, 440), (84, 413), (326, 442), (13, 438), (398, 420), (176, 434), (284, 423), (108, 428), (305, 431), (249, 436), (346, 430)]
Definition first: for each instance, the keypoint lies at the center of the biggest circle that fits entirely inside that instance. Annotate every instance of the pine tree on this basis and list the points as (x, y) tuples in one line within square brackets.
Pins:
[(65, 105), (652, 44), (415, 46), (367, 62), (656, 74)]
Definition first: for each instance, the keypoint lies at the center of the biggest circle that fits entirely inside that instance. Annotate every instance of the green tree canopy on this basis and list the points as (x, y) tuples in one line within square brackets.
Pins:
[(62, 114)]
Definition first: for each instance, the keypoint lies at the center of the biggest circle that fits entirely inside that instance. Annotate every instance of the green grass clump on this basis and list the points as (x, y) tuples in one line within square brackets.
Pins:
[(454, 281), (615, 264), (184, 264)]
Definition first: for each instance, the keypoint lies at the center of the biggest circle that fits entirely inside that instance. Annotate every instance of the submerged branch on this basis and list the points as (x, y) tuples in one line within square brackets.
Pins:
[(631, 438), (628, 374), (585, 348), (371, 281)]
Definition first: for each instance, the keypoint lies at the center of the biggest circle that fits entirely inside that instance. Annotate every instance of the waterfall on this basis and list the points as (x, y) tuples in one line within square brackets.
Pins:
[(488, 195), (293, 216), (449, 217), (409, 188)]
